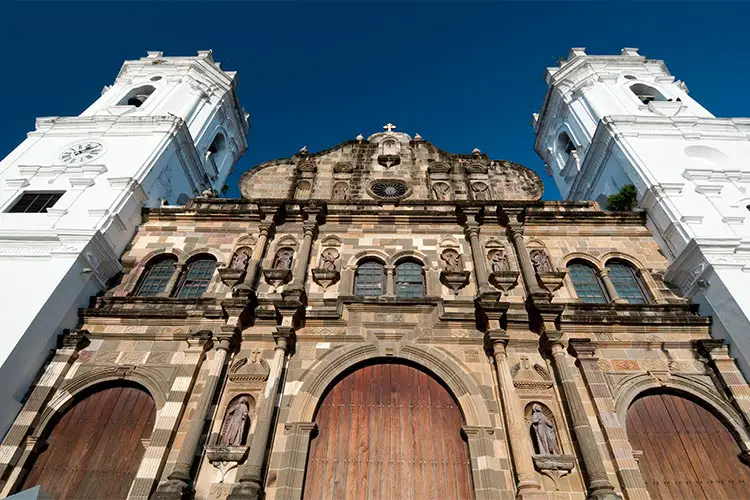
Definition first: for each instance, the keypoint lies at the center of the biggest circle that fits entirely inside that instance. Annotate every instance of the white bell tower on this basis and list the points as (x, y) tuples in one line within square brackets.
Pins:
[(608, 121), (71, 194)]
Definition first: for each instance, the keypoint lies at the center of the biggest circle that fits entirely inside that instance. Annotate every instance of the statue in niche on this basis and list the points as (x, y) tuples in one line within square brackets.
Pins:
[(340, 191), (283, 259), (236, 422), (441, 191), (303, 190), (481, 191), (328, 259), (543, 431), (498, 261), (240, 259), (452, 260), (540, 261)]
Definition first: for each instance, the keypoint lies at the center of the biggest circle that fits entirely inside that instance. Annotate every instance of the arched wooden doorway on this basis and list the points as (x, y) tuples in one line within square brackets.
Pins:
[(388, 431), (687, 451), (95, 448)]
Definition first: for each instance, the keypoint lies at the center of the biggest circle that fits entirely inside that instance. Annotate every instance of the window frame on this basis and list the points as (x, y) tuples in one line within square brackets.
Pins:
[(200, 282), (581, 293), (147, 274), (363, 265), (422, 282), (55, 196), (636, 280)]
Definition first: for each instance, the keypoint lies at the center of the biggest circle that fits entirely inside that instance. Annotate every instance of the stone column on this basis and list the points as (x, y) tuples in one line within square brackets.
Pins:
[(610, 287), (614, 430), (471, 229), (518, 432), (599, 486), (527, 268), (248, 284), (250, 485), (179, 483), (173, 280), (303, 257), (390, 281)]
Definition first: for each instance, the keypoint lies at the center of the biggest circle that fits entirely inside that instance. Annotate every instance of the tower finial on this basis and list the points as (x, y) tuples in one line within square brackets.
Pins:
[(389, 127)]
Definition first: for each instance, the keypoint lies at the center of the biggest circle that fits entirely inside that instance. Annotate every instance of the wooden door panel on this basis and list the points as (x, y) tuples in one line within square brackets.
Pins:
[(95, 449), (687, 451), (388, 431)]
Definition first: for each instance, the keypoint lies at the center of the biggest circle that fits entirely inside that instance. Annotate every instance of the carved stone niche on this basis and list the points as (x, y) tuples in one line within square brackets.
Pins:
[(235, 272), (390, 152), (547, 457), (327, 273), (281, 272), (453, 275)]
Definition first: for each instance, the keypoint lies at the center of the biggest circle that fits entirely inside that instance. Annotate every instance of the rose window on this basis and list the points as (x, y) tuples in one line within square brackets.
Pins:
[(389, 189)]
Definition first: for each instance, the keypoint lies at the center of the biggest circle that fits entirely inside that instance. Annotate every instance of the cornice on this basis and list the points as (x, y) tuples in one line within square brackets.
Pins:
[(104, 125)]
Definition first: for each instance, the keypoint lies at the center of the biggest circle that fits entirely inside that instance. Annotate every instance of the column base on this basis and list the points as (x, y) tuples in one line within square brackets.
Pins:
[(246, 491), (173, 489), (604, 494)]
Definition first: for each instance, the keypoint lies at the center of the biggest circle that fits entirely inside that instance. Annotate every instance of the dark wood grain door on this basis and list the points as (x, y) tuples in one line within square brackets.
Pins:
[(388, 431), (95, 449), (687, 451)]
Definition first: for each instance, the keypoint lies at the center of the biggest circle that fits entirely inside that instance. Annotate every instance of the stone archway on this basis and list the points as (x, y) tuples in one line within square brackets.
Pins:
[(388, 430), (94, 448)]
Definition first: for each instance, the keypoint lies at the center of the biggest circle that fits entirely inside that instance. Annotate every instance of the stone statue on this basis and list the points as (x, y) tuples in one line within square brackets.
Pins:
[(283, 259), (498, 261), (441, 191), (328, 259), (240, 259), (481, 191), (540, 261), (340, 191), (452, 260), (235, 423), (544, 432)]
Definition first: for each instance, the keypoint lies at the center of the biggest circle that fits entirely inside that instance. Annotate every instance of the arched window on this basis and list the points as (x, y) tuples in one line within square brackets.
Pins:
[(646, 94), (196, 277), (627, 282), (137, 96), (216, 152), (409, 279), (370, 279), (586, 282), (157, 275), (564, 144)]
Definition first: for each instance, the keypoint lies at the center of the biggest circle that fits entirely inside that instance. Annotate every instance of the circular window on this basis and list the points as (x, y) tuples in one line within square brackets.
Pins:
[(389, 189)]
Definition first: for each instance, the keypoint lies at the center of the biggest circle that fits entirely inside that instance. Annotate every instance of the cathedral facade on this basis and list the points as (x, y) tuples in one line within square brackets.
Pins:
[(385, 319)]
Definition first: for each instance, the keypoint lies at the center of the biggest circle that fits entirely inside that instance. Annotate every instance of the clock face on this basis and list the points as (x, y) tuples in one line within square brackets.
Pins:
[(81, 152)]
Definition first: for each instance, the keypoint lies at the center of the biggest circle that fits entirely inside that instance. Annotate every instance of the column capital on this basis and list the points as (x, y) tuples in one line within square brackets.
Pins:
[(309, 228), (603, 272), (712, 348), (553, 342), (285, 338), (515, 230), (265, 228), (583, 349), (471, 229), (74, 339), (495, 341)]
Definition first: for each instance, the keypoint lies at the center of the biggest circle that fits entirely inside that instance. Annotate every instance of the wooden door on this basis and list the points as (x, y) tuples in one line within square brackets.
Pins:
[(687, 451), (95, 448), (388, 431)]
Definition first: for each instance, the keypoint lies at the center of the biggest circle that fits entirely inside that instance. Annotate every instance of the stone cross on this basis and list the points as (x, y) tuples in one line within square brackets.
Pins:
[(389, 127)]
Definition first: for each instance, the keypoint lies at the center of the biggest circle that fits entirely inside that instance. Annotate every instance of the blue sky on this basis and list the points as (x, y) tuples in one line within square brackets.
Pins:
[(463, 75)]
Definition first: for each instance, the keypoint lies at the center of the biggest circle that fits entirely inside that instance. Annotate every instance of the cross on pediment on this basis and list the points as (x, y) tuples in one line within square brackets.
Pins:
[(389, 127)]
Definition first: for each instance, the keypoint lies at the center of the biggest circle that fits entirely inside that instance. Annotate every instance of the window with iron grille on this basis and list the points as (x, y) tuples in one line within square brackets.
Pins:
[(195, 279), (157, 276), (370, 279), (36, 202), (587, 284), (627, 282), (409, 280)]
